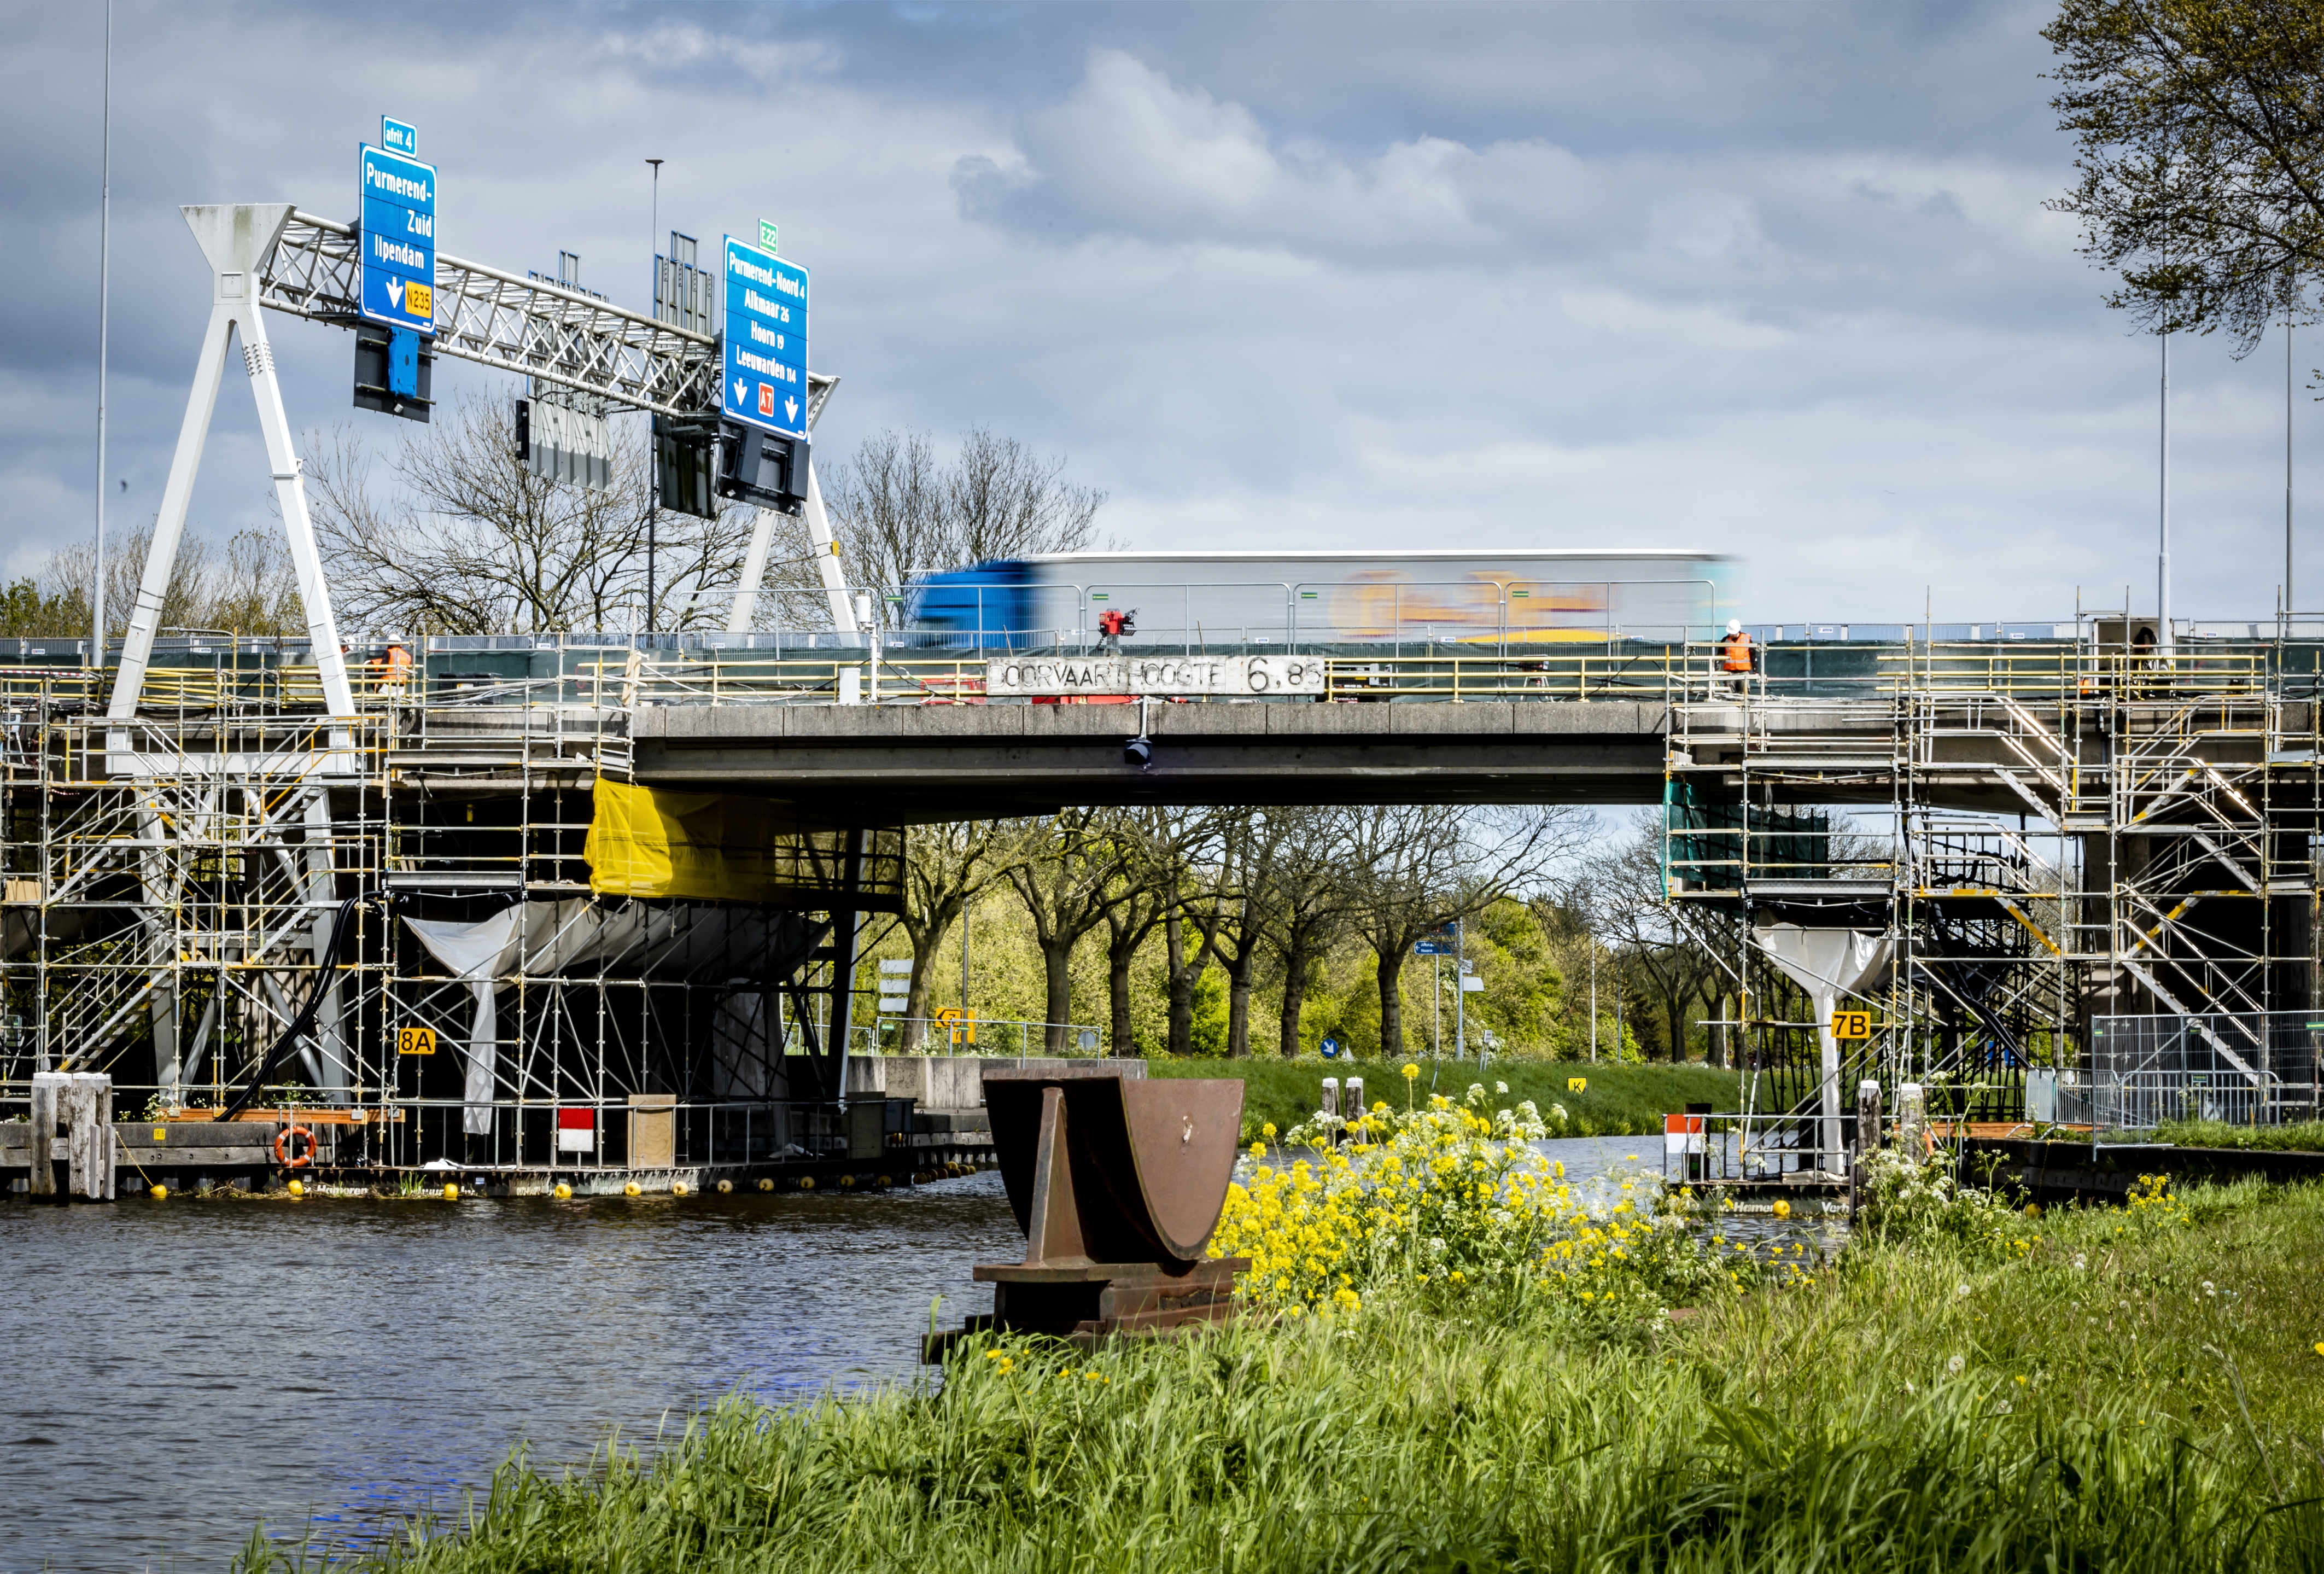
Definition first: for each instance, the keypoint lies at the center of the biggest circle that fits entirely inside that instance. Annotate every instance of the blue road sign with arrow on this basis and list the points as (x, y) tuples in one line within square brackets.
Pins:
[(399, 241), (766, 340)]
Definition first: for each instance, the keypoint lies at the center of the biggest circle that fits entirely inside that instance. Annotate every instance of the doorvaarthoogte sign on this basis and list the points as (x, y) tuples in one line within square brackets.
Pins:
[(1245, 676)]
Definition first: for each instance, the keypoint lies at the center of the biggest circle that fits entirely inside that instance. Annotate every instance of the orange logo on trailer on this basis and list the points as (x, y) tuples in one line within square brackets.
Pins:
[(1851, 1024), (415, 1041)]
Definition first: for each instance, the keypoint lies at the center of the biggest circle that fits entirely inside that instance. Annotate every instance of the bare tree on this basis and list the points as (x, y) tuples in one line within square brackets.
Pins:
[(947, 866), (473, 541), (1183, 851), (897, 510), (1138, 906), (249, 588), (1064, 871), (1307, 896), (1629, 903), (1416, 869)]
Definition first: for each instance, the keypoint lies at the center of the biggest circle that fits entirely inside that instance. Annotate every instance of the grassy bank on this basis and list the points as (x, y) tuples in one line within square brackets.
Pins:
[(1620, 1100), (2124, 1391), (2298, 1136)]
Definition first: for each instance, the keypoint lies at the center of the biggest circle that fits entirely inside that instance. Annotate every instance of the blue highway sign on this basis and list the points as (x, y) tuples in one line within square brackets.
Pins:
[(399, 240), (766, 340)]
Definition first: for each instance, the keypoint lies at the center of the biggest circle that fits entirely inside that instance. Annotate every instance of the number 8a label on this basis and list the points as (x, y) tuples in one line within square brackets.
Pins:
[(1851, 1024), (415, 1041)]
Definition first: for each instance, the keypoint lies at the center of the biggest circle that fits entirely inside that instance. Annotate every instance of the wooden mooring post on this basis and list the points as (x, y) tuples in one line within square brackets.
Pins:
[(88, 1136), (81, 1102), (48, 1091)]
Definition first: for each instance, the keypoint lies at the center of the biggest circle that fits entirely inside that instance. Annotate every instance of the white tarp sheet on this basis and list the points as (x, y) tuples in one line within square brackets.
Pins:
[(1828, 963), (680, 940)]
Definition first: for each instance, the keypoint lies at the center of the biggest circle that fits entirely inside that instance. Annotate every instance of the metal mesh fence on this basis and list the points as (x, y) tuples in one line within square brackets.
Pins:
[(2244, 1068)]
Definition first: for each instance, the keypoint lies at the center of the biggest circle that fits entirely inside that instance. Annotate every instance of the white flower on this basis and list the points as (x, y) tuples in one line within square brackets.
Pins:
[(2081, 1260), (1501, 1087), (1437, 1246), (1955, 1364), (1961, 1290), (2208, 1289)]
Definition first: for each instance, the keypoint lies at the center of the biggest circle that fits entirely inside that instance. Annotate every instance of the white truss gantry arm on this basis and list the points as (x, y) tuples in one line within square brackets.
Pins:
[(500, 319)]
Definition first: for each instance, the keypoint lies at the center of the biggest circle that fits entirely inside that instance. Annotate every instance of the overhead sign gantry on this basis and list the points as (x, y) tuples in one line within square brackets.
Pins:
[(387, 273)]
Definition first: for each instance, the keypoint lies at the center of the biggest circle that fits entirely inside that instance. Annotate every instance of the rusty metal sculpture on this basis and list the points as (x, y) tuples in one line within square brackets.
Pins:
[(1117, 1182)]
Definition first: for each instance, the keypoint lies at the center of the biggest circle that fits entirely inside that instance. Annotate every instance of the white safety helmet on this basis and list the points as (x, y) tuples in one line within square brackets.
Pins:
[(1734, 625)]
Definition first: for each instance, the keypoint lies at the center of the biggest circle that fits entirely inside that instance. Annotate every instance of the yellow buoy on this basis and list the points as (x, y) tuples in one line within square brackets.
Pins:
[(298, 1189), (885, 1181), (724, 1187), (679, 1188), (563, 1191), (807, 1184), (1783, 1209), (847, 1180), (161, 1194), (451, 1191), (766, 1183), (633, 1189)]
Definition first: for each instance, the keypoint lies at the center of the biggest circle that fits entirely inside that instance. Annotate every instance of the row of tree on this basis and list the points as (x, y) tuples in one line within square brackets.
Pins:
[(454, 533), (1255, 903)]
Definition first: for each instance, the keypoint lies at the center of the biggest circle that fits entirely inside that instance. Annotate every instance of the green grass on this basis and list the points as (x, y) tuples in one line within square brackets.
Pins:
[(1620, 1100), (2127, 1394), (2300, 1136)]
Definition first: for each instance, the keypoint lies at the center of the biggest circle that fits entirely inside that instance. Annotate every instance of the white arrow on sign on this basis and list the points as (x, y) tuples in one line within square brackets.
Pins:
[(741, 391), (395, 294), (790, 408)]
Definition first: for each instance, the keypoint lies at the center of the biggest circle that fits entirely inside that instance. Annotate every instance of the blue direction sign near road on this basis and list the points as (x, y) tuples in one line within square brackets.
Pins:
[(399, 240), (766, 340)]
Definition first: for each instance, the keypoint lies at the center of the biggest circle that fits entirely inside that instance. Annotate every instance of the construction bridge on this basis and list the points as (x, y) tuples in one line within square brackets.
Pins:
[(616, 885)]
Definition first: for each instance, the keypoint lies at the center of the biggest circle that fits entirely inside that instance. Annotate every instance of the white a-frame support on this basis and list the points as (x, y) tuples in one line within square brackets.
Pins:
[(235, 238), (820, 542)]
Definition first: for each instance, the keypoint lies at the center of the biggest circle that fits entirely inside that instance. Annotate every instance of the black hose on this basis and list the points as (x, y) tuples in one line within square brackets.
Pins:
[(302, 1026)]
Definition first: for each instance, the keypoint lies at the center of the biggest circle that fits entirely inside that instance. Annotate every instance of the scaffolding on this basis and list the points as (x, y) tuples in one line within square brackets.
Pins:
[(387, 924), (385, 929), (2050, 834)]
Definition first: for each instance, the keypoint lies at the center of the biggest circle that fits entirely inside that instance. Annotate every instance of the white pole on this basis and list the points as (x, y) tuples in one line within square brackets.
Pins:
[(1593, 1000), (1460, 994), (2164, 642), (104, 274), (1435, 1007)]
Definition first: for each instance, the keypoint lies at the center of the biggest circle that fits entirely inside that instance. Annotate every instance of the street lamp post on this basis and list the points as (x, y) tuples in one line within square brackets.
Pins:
[(653, 449)]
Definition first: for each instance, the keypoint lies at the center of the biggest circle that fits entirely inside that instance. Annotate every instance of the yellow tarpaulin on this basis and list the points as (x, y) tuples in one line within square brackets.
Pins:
[(711, 846)]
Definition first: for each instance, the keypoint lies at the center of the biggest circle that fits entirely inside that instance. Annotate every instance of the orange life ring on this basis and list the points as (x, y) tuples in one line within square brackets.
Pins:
[(284, 1158)]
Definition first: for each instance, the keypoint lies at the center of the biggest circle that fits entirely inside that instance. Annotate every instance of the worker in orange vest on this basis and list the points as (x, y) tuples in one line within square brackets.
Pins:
[(390, 673), (1735, 657)]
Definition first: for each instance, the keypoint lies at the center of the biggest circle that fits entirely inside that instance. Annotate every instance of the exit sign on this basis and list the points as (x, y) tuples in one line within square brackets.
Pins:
[(769, 234)]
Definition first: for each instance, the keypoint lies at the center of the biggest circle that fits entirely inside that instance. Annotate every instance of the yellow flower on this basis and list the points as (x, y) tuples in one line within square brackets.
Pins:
[(1411, 1071), (1267, 1130)]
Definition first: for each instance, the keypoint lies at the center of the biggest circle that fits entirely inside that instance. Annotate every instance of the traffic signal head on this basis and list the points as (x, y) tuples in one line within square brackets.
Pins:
[(758, 468)]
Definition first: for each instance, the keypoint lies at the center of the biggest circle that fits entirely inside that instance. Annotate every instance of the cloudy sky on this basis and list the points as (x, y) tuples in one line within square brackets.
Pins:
[(1768, 278)]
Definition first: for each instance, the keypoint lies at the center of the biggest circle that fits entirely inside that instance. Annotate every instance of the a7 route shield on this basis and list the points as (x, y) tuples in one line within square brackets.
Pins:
[(765, 381)]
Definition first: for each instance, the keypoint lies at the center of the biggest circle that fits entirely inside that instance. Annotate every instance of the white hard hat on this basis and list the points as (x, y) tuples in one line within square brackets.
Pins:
[(1734, 625)]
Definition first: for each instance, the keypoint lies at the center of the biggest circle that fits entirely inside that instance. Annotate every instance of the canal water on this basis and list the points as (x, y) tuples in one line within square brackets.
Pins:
[(176, 1371)]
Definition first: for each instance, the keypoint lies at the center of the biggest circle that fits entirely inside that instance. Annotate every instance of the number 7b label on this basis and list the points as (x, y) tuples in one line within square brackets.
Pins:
[(1851, 1024)]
